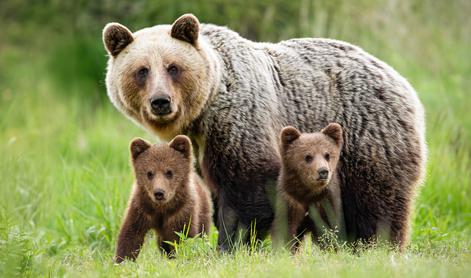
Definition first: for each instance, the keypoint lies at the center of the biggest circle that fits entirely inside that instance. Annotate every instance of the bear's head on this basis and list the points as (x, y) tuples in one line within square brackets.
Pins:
[(162, 170), (311, 157), (162, 76)]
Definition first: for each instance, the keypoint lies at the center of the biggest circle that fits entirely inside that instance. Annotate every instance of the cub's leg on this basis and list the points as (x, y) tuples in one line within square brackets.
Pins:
[(131, 235), (297, 226), (166, 249)]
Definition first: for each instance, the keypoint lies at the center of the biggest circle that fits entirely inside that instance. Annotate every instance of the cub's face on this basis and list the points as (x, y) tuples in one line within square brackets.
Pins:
[(312, 157), (161, 76), (162, 170)]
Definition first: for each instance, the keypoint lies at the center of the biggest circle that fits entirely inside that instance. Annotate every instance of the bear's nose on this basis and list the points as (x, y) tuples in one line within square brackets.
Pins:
[(323, 173), (159, 194), (160, 104)]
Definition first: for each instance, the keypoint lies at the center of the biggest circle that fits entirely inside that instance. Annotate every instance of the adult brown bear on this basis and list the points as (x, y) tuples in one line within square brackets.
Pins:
[(232, 96)]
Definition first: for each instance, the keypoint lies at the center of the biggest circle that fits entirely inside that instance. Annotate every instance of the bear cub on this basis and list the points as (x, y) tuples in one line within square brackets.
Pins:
[(167, 197), (308, 183)]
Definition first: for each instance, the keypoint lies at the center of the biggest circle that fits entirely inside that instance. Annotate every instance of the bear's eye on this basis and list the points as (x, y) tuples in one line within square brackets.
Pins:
[(173, 70), (150, 175), (327, 156), (169, 174), (308, 158), (141, 75)]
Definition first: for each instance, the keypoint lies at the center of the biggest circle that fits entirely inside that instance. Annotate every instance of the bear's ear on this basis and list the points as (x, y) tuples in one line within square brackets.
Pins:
[(182, 144), (186, 28), (334, 131), (116, 37), (289, 134), (138, 146)]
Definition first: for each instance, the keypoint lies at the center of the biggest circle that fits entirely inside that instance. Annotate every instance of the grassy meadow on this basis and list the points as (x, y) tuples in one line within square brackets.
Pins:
[(64, 160)]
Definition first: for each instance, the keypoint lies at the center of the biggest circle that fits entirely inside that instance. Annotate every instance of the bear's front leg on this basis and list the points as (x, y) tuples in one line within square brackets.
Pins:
[(227, 223), (280, 231), (240, 178), (131, 235)]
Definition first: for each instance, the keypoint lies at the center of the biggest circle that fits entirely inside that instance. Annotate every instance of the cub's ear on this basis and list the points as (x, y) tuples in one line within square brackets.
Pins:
[(116, 37), (182, 144), (334, 131), (289, 134), (138, 146), (186, 28)]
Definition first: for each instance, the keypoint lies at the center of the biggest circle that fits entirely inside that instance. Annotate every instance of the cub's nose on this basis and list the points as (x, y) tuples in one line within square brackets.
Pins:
[(160, 104), (159, 194), (323, 173)]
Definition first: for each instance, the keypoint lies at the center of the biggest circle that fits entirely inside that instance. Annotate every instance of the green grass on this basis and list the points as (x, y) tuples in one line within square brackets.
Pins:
[(66, 177)]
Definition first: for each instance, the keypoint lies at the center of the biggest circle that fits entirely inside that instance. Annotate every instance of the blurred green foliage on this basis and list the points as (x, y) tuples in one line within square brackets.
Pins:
[(420, 30)]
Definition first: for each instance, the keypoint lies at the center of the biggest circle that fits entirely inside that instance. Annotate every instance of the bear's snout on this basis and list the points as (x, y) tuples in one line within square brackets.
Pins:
[(159, 194), (160, 105), (323, 173)]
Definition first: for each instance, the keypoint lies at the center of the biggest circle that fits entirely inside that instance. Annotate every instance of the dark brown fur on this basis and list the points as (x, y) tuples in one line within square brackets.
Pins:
[(116, 39), (186, 28), (312, 202), (166, 168)]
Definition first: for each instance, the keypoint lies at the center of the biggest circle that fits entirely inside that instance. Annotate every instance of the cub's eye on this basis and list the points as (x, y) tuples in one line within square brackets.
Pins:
[(150, 175), (308, 158), (141, 75), (327, 156), (173, 70), (169, 174)]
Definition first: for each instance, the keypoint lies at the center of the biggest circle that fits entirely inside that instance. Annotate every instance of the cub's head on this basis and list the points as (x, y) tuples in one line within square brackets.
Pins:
[(311, 157), (162, 170), (160, 76)]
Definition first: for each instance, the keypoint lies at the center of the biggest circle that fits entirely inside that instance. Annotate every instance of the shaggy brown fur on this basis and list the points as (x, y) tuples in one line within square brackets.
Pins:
[(308, 180), (167, 197)]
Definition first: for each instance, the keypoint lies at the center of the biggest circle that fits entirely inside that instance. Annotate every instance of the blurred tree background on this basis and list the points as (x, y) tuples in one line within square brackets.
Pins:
[(69, 32), (64, 158)]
